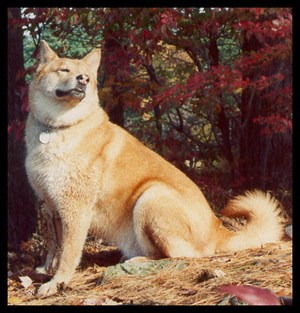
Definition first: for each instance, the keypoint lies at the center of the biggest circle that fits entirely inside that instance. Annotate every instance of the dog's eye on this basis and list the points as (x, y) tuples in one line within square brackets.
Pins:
[(64, 70)]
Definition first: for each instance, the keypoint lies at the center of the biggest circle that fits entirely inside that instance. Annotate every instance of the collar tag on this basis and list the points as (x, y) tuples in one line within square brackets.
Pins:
[(44, 137)]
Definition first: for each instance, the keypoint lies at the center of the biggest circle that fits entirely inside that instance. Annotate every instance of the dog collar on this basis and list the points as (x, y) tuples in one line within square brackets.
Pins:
[(45, 135)]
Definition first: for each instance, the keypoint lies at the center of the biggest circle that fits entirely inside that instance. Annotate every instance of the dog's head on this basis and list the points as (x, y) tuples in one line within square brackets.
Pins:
[(64, 91), (66, 80)]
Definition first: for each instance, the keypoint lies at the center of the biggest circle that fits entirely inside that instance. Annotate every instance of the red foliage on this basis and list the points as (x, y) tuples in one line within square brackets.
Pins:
[(273, 124), (224, 75), (252, 294), (16, 129)]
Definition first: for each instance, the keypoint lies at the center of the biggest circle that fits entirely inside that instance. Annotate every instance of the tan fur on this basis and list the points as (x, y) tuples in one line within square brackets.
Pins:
[(93, 175)]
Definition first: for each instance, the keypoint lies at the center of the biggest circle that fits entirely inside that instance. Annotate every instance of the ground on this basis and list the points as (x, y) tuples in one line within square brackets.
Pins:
[(103, 279)]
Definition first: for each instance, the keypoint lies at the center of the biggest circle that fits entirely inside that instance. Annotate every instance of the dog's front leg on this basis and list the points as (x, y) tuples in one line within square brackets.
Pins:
[(75, 226), (53, 239)]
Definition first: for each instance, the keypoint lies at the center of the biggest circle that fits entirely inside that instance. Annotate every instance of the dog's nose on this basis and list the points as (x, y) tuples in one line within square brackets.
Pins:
[(83, 79)]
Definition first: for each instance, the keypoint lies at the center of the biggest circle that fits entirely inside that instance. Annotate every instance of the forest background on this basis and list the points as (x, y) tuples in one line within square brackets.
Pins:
[(210, 89)]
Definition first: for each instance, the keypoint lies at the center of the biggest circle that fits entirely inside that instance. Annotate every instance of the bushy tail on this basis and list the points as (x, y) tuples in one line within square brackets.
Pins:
[(264, 221)]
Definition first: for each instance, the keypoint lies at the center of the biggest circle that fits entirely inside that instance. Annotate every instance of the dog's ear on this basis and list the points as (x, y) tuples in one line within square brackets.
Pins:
[(93, 59), (46, 53)]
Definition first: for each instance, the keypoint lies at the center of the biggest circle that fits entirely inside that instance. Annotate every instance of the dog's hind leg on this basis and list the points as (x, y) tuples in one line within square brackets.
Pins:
[(164, 228)]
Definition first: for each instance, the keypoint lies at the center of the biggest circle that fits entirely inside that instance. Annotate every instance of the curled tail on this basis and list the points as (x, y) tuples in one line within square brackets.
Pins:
[(264, 221)]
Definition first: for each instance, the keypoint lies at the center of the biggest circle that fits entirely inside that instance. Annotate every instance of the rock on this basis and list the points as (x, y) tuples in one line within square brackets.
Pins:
[(140, 268), (289, 231)]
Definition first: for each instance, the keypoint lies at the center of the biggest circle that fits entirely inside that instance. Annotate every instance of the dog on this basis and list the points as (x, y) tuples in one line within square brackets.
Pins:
[(92, 175)]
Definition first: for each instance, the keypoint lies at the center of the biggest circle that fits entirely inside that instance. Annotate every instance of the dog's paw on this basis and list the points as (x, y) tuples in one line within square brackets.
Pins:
[(48, 289)]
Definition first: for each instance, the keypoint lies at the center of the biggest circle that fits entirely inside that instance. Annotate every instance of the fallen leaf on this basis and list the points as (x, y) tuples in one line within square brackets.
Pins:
[(90, 301), (25, 281), (252, 295), (224, 301), (97, 301), (219, 273)]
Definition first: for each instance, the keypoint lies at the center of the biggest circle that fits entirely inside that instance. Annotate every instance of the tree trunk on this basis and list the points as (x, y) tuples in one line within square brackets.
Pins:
[(21, 208), (115, 110), (222, 120), (249, 158), (265, 160), (157, 111)]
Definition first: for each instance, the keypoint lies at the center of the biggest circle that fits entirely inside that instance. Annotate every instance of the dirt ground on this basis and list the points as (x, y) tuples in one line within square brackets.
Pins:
[(103, 280)]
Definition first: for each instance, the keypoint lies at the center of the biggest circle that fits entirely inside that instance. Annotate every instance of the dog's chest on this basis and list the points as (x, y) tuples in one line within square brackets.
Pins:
[(52, 161)]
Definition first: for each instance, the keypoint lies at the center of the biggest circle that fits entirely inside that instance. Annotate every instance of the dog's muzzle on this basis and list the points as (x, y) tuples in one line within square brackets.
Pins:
[(78, 91), (75, 92)]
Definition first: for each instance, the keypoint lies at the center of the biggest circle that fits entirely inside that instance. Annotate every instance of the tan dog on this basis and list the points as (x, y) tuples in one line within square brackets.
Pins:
[(93, 175)]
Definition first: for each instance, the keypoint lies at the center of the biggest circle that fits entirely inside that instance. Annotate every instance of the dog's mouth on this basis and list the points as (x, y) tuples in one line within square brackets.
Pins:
[(75, 92)]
